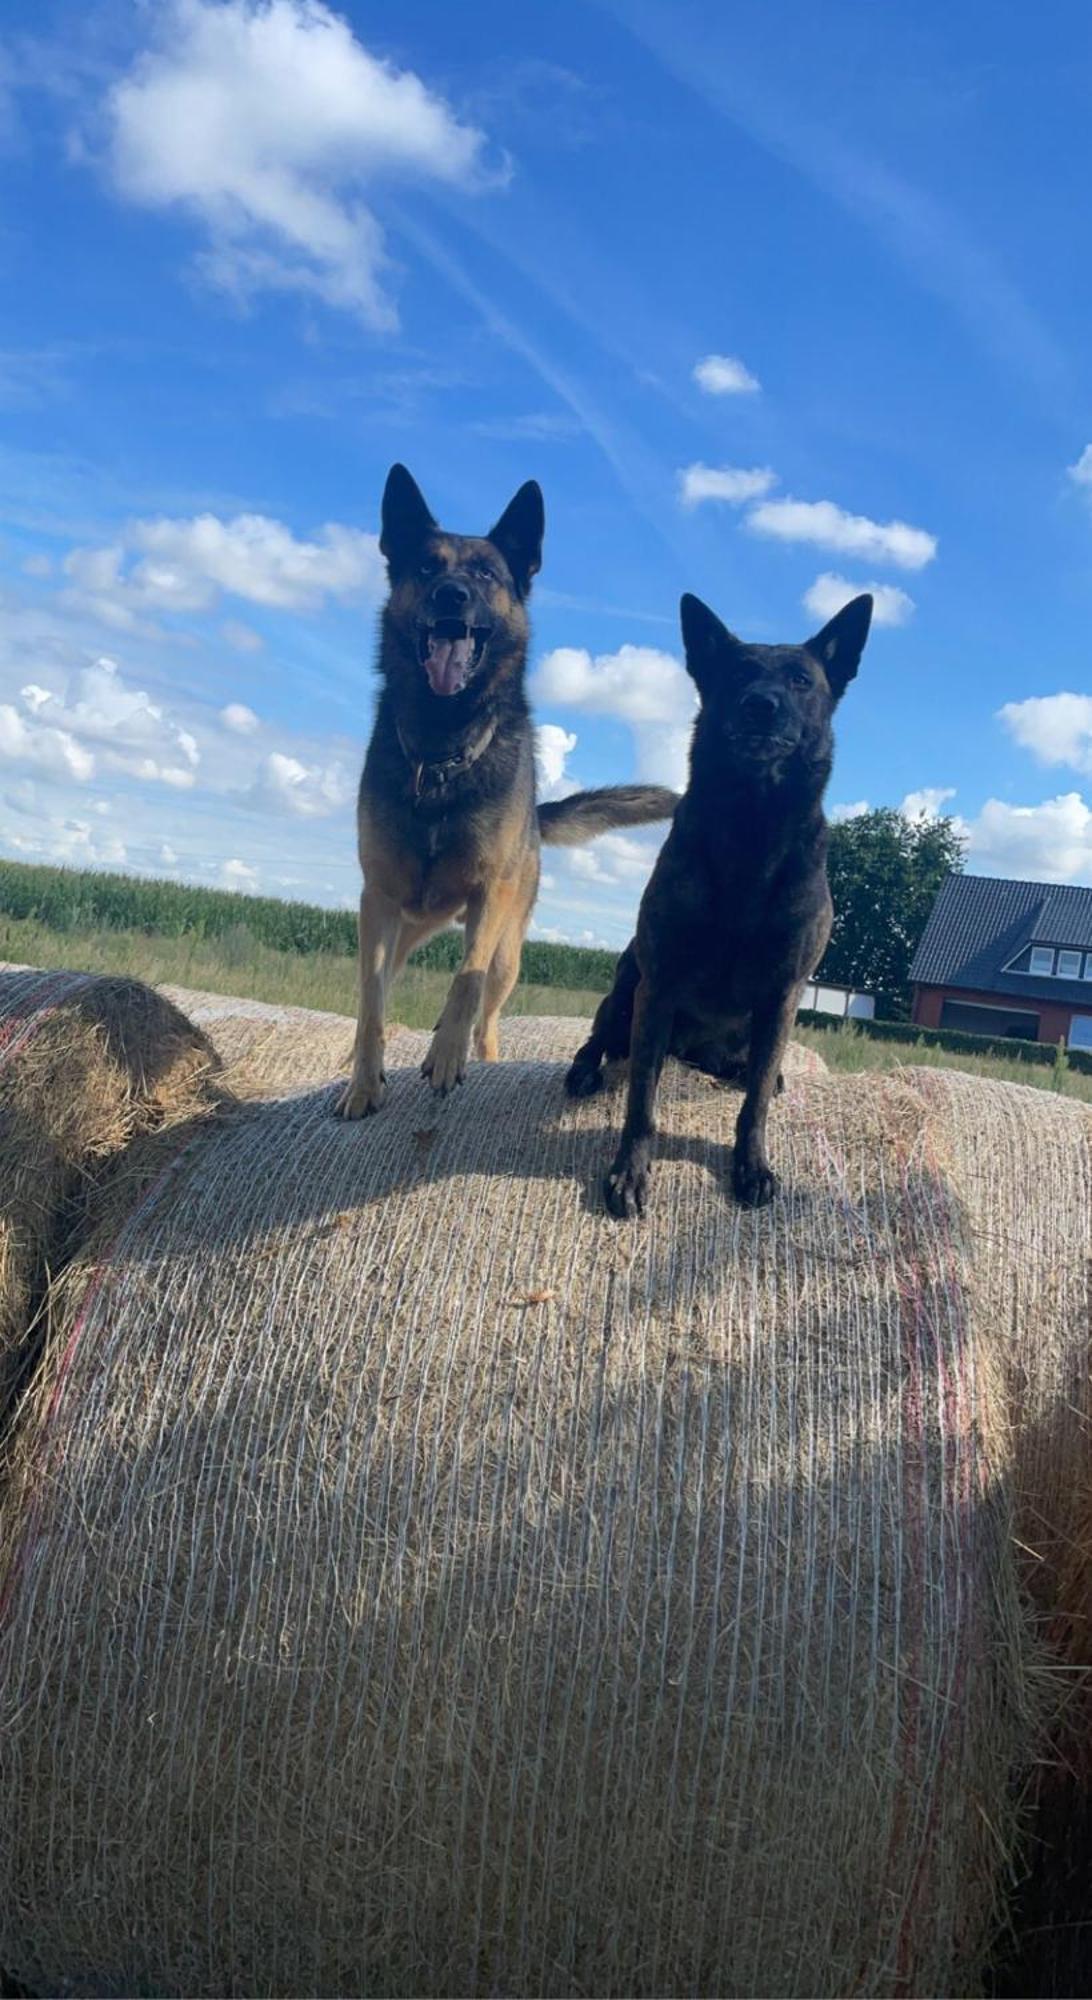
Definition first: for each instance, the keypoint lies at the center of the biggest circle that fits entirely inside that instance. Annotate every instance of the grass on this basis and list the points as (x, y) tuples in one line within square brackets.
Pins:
[(847, 1049), (237, 962)]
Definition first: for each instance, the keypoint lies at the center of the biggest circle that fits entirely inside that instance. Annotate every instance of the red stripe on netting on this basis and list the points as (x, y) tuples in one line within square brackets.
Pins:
[(957, 1478), (43, 998), (103, 1273)]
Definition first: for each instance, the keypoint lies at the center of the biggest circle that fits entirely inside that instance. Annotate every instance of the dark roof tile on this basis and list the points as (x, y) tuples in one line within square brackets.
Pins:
[(979, 923)]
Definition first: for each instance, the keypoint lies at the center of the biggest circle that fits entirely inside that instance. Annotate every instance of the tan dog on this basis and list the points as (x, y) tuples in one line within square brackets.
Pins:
[(447, 822)]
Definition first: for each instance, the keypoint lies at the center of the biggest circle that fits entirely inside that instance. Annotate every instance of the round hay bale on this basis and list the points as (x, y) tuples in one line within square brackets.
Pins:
[(419, 1584), (86, 1064), (1020, 1160), (268, 1050)]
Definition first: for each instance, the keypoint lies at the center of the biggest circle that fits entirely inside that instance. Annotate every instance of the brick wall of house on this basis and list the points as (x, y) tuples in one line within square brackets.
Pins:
[(1053, 1020)]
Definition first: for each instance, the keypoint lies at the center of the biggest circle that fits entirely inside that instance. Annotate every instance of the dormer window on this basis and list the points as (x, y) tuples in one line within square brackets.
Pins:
[(1048, 961)]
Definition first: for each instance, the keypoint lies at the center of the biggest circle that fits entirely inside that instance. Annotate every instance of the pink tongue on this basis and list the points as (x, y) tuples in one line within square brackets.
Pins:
[(447, 663)]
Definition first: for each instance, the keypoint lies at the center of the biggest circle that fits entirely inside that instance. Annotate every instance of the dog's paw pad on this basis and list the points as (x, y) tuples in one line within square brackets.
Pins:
[(583, 1079), (444, 1066), (361, 1097), (626, 1192), (755, 1185)]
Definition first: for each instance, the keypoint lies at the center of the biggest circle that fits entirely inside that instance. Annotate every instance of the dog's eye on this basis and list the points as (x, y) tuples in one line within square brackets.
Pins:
[(486, 571), (800, 680), (429, 567)]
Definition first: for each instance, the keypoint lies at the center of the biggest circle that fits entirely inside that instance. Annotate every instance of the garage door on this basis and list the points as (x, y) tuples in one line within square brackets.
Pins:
[(1007, 1021)]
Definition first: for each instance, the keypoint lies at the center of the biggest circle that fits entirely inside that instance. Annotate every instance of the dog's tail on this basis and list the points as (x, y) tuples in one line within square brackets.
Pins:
[(568, 822)]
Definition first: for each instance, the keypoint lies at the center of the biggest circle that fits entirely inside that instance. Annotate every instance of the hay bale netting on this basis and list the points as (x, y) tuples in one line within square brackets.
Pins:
[(86, 1064), (1021, 1159), (268, 1050), (422, 1585)]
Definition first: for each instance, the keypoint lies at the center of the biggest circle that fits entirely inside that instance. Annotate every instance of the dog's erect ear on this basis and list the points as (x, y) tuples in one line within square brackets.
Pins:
[(838, 647), (405, 522), (518, 534), (711, 649)]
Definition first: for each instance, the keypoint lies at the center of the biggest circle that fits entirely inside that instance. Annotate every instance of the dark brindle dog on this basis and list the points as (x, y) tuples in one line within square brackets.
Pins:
[(447, 822), (737, 912)]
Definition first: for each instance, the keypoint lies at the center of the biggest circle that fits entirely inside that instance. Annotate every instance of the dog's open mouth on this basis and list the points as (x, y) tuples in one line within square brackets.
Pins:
[(450, 652)]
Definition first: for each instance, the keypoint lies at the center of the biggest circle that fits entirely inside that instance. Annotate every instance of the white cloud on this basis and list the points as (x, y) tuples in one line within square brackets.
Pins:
[(266, 120), (927, 802), (829, 592), (24, 741), (553, 747), (187, 564), (724, 375), (1051, 842), (130, 731), (620, 859), (823, 525), (853, 811), (241, 638), (1081, 473), (733, 483), (1056, 728), (236, 874), (240, 719), (308, 791), (639, 685)]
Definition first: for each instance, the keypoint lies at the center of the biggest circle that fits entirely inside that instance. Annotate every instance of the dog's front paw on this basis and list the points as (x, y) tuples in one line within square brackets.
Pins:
[(361, 1096), (626, 1188), (445, 1063), (754, 1181), (584, 1076)]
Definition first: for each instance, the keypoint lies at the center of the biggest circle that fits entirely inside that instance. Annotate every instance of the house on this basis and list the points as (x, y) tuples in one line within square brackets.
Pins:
[(1007, 958)]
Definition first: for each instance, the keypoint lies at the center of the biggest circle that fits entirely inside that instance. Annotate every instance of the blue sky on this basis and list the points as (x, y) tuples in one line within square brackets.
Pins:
[(775, 301)]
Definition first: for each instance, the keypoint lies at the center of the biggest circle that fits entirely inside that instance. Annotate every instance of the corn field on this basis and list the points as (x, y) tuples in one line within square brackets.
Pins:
[(71, 900)]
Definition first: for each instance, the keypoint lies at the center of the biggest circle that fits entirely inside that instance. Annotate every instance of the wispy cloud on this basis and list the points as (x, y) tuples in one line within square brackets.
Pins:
[(926, 237), (826, 526), (725, 375), (1081, 473), (733, 483)]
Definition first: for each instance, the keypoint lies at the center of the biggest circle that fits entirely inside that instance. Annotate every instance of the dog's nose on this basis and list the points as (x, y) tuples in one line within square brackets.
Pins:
[(450, 598), (761, 707)]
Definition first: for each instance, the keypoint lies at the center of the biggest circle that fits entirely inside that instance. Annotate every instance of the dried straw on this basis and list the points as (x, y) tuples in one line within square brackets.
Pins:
[(419, 1584), (1021, 1160), (269, 1050), (85, 1066)]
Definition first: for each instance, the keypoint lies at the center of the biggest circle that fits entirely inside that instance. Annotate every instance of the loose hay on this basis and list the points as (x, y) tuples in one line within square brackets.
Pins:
[(86, 1064), (268, 1050), (420, 1585), (1021, 1160)]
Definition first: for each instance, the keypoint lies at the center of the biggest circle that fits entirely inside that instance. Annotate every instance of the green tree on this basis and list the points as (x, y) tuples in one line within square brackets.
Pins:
[(885, 872)]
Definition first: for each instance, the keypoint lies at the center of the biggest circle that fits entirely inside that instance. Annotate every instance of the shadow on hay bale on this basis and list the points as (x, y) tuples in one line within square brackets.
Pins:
[(86, 1066), (420, 1585)]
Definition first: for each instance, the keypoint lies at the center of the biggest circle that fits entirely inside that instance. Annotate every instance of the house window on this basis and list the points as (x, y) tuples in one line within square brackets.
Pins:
[(1069, 965), (1042, 959), (1080, 1031), (1088, 965)]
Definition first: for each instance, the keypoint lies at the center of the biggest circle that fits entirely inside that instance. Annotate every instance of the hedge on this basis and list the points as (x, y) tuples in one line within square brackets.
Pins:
[(956, 1040)]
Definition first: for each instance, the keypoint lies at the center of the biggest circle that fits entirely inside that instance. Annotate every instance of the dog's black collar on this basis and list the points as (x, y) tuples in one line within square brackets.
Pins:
[(429, 777)]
